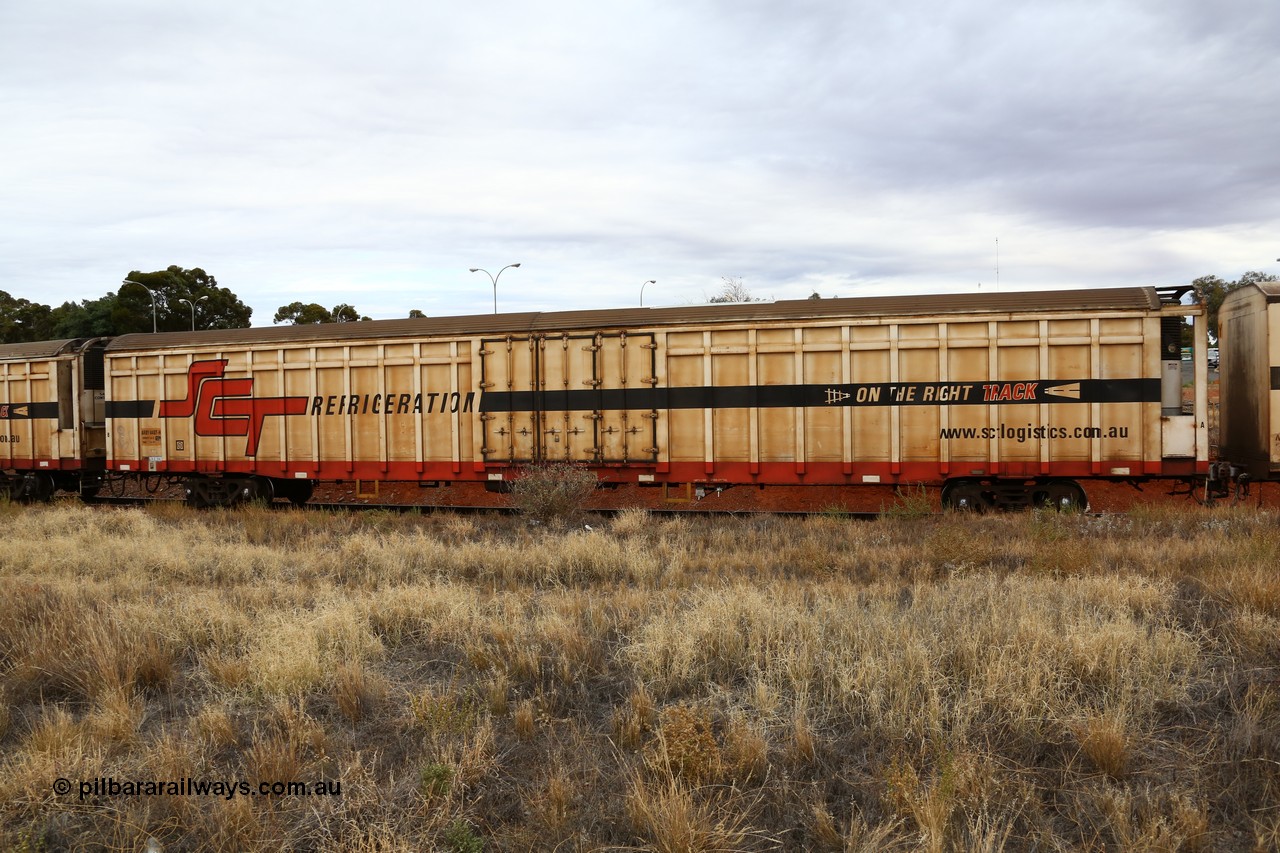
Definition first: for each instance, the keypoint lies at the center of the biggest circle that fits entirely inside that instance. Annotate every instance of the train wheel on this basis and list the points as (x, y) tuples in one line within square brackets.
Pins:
[(257, 490), (36, 487), (197, 493), (965, 496), (1063, 495)]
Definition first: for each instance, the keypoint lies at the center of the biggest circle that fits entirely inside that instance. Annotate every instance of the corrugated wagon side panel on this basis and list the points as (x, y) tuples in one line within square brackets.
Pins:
[(873, 364), (134, 431), (178, 443), (1068, 360), (918, 363), (299, 435), (1017, 449), (332, 425), (367, 446), (41, 433), (265, 366), (29, 401), (438, 423), (822, 363), (775, 437), (687, 366), (730, 367), (1128, 431), (969, 358), (401, 432)]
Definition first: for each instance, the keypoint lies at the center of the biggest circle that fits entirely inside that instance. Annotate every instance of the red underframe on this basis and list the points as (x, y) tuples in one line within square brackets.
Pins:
[(49, 465), (743, 473)]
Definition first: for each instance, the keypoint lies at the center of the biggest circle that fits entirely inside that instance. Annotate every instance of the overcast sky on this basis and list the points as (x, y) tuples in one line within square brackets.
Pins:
[(371, 153)]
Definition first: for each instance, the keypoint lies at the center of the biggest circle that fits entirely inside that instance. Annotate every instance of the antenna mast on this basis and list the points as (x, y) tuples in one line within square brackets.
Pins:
[(997, 265)]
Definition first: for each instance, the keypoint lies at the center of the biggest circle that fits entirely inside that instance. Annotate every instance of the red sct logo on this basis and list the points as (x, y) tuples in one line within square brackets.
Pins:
[(227, 406)]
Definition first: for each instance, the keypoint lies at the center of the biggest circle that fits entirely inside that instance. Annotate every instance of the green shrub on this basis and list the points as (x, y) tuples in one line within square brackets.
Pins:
[(553, 493), (434, 780), (462, 838)]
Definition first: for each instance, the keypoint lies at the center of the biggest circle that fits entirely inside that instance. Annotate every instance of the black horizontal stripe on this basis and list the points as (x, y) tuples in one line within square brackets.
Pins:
[(130, 408), (27, 411), (825, 396)]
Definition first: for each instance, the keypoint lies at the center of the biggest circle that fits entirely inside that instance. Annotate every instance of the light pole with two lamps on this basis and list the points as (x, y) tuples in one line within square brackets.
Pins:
[(150, 293), (192, 306), (494, 279)]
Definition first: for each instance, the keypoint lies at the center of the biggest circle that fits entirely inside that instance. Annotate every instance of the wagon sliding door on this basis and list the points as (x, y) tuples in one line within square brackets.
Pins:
[(615, 406), (570, 397), (508, 370)]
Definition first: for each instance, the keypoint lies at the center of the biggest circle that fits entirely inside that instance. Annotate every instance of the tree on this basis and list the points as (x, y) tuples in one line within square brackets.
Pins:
[(1210, 291), (89, 318), (300, 314), (415, 314), (22, 320), (221, 310), (733, 290)]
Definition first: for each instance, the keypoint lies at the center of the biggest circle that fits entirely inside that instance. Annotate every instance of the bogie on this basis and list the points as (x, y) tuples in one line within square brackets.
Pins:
[(203, 492), (970, 495)]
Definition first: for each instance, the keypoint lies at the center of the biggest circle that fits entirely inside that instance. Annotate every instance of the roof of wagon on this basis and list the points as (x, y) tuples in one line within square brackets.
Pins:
[(1270, 292), (797, 310), (36, 349)]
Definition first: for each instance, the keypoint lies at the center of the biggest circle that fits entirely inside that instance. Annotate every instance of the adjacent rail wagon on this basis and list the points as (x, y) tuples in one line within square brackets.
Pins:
[(1001, 399), (52, 429), (1249, 393)]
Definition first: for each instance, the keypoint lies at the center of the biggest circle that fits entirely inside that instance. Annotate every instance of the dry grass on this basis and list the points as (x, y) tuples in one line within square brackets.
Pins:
[(1037, 682)]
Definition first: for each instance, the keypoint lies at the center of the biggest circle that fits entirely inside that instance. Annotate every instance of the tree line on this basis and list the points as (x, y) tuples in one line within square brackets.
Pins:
[(183, 299), (129, 309)]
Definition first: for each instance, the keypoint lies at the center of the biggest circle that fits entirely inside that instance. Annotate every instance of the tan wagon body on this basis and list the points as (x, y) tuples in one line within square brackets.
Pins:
[(841, 391)]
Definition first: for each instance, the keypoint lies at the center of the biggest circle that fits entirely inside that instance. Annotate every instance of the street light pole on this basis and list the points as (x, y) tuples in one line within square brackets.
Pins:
[(192, 306), (494, 278), (150, 293), (642, 287)]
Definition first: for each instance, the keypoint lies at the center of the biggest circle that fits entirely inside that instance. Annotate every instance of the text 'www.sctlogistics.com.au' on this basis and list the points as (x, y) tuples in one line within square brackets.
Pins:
[(1031, 432)]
